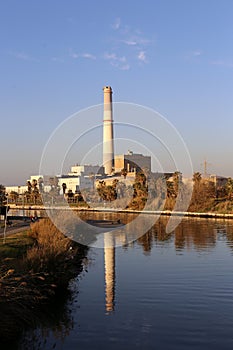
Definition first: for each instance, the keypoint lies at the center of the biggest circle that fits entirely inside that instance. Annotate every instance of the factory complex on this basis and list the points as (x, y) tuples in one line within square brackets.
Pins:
[(86, 176)]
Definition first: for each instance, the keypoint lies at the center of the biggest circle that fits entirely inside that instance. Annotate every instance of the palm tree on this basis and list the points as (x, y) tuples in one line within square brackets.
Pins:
[(2, 194), (34, 184), (29, 185), (14, 196), (197, 178), (64, 187), (177, 180), (70, 196), (229, 187), (124, 172)]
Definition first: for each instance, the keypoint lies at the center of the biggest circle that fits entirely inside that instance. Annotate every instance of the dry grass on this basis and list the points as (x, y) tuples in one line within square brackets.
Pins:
[(47, 266), (51, 247)]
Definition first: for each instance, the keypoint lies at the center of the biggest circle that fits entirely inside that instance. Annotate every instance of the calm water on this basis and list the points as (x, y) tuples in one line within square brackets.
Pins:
[(160, 292)]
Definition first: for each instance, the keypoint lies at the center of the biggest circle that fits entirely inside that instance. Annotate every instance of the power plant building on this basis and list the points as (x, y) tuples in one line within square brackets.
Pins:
[(132, 162), (86, 170)]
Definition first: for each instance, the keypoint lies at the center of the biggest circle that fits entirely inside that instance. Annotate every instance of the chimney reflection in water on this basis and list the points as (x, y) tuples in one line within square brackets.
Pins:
[(109, 263)]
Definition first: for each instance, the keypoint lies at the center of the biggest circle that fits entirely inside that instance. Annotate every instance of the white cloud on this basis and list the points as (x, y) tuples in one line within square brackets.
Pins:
[(89, 56), (129, 42), (125, 67), (227, 64), (57, 59), (120, 65), (83, 55), (114, 57), (110, 56), (23, 56), (74, 55), (119, 62), (142, 56), (196, 53), (128, 45), (117, 23), (191, 55)]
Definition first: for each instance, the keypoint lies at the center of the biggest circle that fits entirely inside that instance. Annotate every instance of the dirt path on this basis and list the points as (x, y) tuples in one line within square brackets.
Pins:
[(17, 226)]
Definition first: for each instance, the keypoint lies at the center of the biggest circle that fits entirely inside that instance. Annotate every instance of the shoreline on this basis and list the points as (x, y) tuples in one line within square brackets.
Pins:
[(27, 287), (213, 215)]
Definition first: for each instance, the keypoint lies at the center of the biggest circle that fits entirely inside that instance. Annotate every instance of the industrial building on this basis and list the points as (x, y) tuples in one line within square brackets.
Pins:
[(132, 162)]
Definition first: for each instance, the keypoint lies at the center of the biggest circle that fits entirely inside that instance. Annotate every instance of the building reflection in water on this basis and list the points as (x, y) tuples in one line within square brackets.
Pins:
[(109, 264)]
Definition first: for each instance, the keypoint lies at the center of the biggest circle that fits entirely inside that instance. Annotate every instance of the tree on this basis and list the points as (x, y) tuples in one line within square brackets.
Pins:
[(177, 181), (40, 184), (107, 192), (197, 178), (101, 189), (34, 184), (70, 196), (34, 191), (14, 196), (140, 192), (124, 172), (2, 194), (64, 187), (29, 185), (203, 193), (55, 189), (229, 188)]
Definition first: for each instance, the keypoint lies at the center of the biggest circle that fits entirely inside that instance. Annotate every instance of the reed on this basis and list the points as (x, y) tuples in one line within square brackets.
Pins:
[(29, 281)]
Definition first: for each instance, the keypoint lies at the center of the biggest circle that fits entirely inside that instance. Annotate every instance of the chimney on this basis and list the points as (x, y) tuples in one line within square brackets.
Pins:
[(108, 147)]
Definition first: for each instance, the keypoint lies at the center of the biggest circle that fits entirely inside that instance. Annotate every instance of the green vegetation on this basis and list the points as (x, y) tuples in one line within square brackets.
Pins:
[(157, 192), (161, 193), (140, 192), (15, 247), (2, 195), (107, 192)]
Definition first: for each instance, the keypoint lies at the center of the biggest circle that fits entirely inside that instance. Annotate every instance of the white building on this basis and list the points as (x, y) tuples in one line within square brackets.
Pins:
[(75, 183), (80, 177), (17, 189), (86, 170)]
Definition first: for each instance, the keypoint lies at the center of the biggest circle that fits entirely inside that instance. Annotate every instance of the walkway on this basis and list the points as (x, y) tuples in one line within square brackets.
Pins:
[(17, 226)]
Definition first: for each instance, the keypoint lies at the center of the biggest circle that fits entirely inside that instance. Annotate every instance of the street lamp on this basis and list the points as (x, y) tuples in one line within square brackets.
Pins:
[(23, 209), (4, 232)]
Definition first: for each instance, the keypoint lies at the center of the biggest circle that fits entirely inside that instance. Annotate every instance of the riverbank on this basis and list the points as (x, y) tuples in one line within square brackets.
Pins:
[(36, 267), (209, 214)]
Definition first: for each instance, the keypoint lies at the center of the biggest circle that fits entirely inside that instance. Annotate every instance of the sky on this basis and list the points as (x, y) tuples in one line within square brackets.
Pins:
[(171, 56)]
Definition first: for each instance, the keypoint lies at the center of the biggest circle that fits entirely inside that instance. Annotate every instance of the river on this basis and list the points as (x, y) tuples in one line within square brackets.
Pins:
[(162, 291)]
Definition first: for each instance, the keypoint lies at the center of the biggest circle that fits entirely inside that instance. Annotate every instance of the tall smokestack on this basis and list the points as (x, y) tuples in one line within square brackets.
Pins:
[(108, 149)]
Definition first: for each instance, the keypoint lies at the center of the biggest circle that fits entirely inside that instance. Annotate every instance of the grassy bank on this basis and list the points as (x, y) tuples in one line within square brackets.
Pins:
[(35, 266)]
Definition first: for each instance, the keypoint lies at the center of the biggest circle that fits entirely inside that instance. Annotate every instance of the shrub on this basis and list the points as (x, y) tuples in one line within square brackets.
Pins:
[(51, 247)]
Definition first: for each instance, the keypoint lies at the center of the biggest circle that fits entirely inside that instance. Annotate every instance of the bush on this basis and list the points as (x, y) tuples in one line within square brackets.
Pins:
[(51, 247)]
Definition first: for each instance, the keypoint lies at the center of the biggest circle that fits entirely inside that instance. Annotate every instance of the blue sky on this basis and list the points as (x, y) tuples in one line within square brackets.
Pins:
[(174, 56)]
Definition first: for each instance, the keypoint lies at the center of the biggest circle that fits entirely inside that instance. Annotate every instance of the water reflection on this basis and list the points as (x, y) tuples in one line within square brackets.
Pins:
[(195, 234), (180, 292), (109, 264), (54, 325)]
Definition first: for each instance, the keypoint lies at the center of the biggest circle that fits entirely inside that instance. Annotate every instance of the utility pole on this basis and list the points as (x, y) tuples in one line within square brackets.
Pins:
[(205, 166), (4, 232)]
